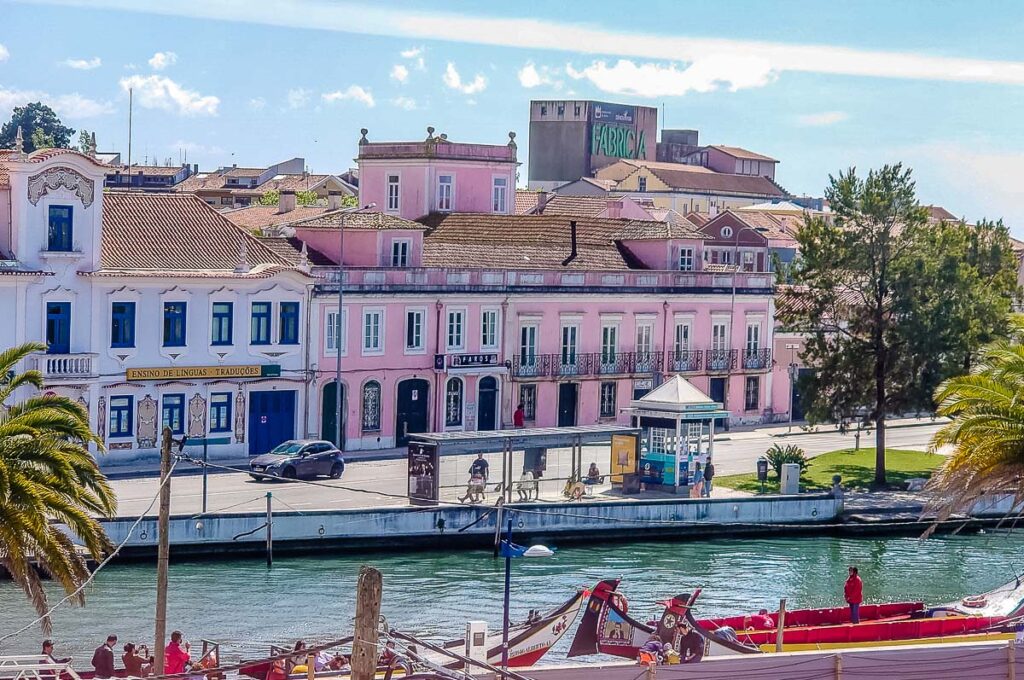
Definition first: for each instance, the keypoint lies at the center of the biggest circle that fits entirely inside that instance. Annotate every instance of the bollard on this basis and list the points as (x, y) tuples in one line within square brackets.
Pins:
[(270, 531)]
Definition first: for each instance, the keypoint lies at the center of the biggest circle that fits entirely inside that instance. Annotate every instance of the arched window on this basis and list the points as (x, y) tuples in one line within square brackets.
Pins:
[(453, 403), (371, 406)]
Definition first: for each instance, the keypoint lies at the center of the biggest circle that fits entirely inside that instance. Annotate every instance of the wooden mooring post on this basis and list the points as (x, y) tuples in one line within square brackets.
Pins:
[(781, 623), (163, 552), (364, 645)]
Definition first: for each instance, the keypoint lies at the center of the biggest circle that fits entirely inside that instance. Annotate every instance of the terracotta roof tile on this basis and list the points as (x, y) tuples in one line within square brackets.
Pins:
[(263, 216), (739, 152), (5, 178), (290, 249), (523, 242), (40, 155), (576, 206), (526, 200), (358, 219), (695, 178), (177, 233), (151, 170)]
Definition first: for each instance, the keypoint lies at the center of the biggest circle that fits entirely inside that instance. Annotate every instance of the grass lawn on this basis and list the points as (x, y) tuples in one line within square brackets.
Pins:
[(857, 469)]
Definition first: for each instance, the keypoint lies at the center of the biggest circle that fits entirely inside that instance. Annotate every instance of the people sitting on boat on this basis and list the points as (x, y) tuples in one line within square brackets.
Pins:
[(652, 651), (761, 621), (339, 663), (389, 657), (322, 660), (136, 664), (277, 670), (48, 653)]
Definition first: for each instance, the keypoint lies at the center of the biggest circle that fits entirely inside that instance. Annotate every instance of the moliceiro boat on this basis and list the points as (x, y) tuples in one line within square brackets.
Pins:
[(528, 642), (608, 628)]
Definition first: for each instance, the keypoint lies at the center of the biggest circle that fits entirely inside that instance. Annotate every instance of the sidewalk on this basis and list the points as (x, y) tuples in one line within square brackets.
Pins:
[(802, 428)]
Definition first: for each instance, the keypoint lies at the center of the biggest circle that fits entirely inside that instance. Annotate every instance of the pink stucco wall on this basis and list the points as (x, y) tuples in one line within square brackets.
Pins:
[(418, 184), (364, 247)]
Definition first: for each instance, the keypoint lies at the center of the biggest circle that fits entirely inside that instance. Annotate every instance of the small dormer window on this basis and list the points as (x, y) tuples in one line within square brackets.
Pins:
[(726, 232), (59, 229), (400, 252), (643, 183)]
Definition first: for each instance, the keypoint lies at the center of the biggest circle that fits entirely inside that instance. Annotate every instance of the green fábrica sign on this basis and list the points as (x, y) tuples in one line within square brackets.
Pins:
[(617, 141)]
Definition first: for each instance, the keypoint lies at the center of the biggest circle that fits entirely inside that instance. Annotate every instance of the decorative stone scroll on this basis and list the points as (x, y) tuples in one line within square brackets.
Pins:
[(240, 417), (196, 417), (101, 418), (145, 430), (54, 178)]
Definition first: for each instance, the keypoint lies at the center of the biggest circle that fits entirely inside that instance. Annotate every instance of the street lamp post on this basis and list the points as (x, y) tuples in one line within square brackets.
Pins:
[(508, 551)]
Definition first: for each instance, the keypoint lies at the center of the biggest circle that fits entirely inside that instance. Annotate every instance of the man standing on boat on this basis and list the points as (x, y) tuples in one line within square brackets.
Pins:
[(854, 592)]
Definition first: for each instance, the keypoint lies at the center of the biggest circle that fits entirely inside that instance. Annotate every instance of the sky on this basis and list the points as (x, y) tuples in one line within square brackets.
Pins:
[(936, 84)]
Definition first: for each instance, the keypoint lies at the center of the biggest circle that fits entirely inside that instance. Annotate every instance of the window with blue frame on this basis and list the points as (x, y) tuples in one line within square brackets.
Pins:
[(260, 323), (174, 324), (289, 323), (60, 233), (122, 324), (173, 411), (220, 412), (120, 417), (222, 323)]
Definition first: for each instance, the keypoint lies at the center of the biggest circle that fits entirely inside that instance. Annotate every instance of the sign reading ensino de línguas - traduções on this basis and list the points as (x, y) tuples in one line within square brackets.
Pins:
[(178, 372)]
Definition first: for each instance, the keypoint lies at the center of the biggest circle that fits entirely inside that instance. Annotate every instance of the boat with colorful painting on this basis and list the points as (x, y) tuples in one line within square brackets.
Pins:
[(608, 627)]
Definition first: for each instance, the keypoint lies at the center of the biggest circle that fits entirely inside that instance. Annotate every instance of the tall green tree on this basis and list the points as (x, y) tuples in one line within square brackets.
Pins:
[(273, 197), (891, 304), (40, 127), (47, 474)]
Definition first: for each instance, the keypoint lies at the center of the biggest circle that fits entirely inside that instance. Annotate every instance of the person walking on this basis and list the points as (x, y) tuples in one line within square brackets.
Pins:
[(519, 416), (854, 592), (176, 655), (479, 467), (697, 484), (709, 475), (103, 658)]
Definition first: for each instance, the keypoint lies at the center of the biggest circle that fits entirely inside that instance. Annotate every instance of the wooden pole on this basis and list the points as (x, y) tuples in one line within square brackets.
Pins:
[(270, 531), (781, 625), (1011, 659), (839, 667), (163, 551), (310, 666), (364, 645)]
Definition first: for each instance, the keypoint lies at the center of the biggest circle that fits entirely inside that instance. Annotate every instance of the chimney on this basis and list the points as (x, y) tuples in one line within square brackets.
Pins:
[(334, 198), (572, 244), (712, 210), (542, 201), (286, 201), (614, 209)]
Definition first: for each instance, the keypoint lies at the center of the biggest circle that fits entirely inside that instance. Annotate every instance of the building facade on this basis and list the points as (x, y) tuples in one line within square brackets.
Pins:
[(154, 310)]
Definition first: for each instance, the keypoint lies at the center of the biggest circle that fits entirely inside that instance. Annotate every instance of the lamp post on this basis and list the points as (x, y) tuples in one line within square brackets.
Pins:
[(508, 551)]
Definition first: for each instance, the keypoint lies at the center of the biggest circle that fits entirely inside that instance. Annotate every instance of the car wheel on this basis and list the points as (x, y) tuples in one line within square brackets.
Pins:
[(289, 473), (336, 470)]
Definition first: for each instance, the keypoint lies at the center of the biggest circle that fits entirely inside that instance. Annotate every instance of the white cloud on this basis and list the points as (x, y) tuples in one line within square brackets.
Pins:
[(159, 92), (399, 73), (257, 103), (404, 103), (297, 97), (822, 119), (162, 60), (5, 54), (736, 72), (352, 92), (83, 64), (453, 80), (530, 76), (196, 148), (578, 38), (70, 106), (411, 52)]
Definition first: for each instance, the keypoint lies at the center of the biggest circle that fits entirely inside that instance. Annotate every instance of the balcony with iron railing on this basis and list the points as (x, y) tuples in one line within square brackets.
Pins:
[(454, 279), (685, 361), (757, 359), (568, 364), (720, 360), (78, 366)]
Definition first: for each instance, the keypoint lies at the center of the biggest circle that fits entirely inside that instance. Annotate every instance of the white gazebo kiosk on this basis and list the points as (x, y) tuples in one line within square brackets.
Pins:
[(673, 419)]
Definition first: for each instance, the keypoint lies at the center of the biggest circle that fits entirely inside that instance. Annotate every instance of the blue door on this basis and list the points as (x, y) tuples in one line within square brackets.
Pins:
[(271, 419), (58, 327)]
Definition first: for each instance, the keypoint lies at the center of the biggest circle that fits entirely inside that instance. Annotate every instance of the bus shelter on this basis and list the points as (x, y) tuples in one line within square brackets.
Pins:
[(677, 422), (427, 450)]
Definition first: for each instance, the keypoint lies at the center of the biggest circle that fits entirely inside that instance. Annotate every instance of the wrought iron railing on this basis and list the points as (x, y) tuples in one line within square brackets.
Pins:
[(716, 360), (685, 361), (526, 365), (757, 359)]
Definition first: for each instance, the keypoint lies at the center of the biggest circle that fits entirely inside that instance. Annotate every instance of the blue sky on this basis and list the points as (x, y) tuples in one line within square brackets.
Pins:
[(820, 86)]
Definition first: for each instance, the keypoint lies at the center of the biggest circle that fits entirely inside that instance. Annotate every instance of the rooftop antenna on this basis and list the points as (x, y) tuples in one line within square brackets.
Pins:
[(129, 128)]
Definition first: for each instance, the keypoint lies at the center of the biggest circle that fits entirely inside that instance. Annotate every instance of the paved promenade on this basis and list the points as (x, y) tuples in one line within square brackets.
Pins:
[(382, 483)]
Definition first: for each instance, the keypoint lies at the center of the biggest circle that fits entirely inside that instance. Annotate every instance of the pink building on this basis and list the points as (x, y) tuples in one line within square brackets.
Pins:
[(412, 179)]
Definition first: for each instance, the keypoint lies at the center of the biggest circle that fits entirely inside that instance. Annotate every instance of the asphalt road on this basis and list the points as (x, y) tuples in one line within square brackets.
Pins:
[(383, 483)]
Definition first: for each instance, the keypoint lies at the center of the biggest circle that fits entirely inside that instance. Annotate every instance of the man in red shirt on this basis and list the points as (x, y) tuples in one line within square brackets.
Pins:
[(175, 658), (519, 417), (854, 591)]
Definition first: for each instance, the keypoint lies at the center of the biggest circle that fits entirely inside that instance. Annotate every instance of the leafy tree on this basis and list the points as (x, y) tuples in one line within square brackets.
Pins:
[(986, 432), (40, 127), (84, 141), (273, 197), (47, 474), (891, 304)]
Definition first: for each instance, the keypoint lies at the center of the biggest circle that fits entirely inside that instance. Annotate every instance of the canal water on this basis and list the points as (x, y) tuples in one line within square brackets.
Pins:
[(244, 604)]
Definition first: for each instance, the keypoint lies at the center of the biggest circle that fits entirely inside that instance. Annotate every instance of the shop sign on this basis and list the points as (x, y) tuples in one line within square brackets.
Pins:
[(613, 113), (203, 372), (617, 141), (473, 360)]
